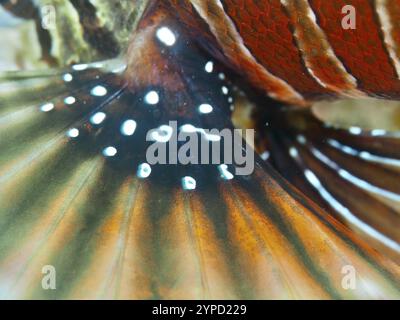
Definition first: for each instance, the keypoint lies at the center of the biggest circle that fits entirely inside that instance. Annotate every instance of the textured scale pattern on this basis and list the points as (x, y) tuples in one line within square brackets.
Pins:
[(361, 50), (266, 31)]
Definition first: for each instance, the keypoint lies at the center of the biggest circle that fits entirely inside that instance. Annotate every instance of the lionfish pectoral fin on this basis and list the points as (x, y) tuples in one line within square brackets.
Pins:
[(79, 192)]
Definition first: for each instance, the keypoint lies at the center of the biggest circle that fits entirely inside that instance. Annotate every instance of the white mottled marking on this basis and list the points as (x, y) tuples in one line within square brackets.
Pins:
[(188, 183), (98, 91), (144, 170), (205, 108), (98, 118), (110, 151), (73, 133), (128, 128), (152, 98), (166, 36), (47, 107)]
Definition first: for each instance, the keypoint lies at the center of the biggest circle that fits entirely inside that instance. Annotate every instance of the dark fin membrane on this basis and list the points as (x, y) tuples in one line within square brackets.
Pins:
[(77, 193), (354, 173)]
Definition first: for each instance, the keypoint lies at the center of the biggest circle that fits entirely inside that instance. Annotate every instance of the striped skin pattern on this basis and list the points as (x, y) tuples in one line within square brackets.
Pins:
[(112, 232), (388, 13), (227, 37), (302, 43), (366, 46)]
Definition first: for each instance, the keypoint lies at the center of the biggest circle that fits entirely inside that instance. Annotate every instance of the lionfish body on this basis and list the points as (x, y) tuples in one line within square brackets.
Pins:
[(76, 192), (302, 50)]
